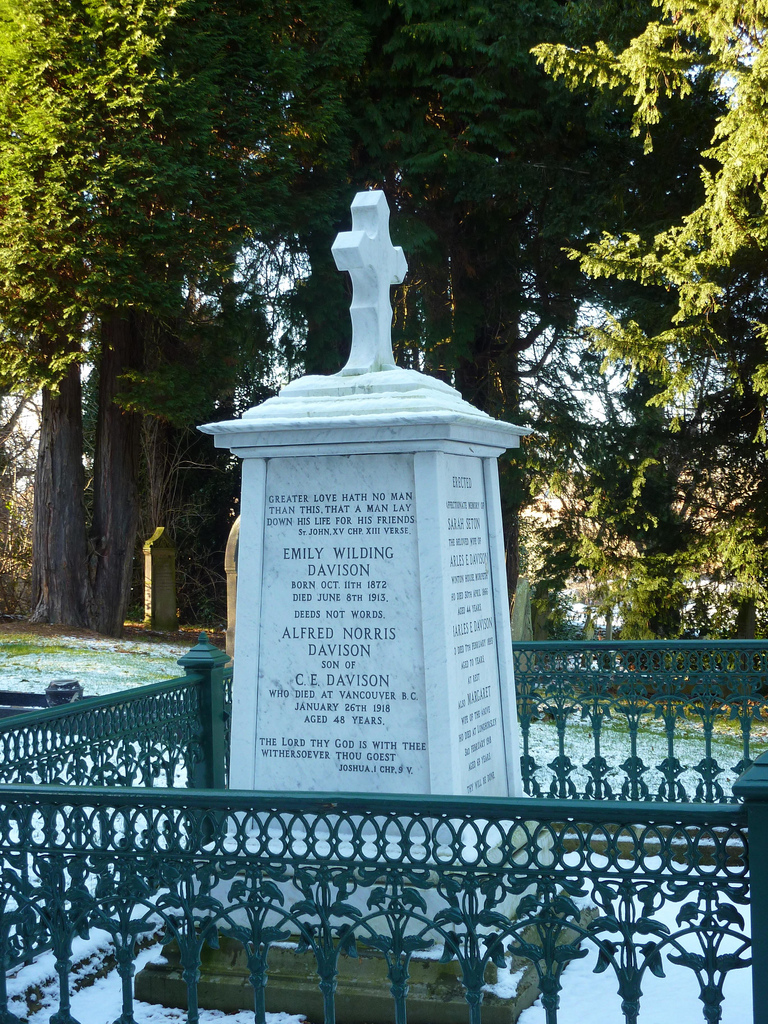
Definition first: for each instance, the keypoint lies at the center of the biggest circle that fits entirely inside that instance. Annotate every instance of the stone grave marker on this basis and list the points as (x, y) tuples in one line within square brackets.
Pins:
[(373, 646), (230, 569), (160, 582), (522, 629)]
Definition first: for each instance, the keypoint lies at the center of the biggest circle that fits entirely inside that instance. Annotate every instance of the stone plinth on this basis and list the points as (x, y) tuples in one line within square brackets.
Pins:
[(373, 641), (363, 989)]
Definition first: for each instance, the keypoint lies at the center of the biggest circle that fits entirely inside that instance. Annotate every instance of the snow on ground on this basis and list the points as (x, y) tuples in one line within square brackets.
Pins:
[(651, 747), (29, 663), (585, 996), (101, 1002), (588, 997)]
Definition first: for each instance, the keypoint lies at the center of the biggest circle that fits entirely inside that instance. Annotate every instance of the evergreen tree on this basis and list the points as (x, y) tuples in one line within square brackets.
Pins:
[(142, 145), (703, 349), (494, 171)]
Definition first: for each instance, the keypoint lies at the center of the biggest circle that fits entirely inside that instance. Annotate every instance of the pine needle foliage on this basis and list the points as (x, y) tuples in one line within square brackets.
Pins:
[(142, 143), (701, 352), (709, 253)]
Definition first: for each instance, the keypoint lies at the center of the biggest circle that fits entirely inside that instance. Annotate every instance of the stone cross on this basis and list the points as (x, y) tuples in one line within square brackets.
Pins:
[(374, 265)]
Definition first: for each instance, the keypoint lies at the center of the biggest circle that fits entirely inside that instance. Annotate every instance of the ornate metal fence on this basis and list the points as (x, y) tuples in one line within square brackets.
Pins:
[(402, 875), (173, 733), (638, 721), (632, 721), (478, 883)]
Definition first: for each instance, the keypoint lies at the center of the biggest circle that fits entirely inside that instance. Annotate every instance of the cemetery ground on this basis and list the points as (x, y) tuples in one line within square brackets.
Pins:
[(32, 655), (586, 998)]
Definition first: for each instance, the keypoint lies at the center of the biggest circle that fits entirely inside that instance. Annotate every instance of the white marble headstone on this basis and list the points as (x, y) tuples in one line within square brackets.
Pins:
[(373, 641)]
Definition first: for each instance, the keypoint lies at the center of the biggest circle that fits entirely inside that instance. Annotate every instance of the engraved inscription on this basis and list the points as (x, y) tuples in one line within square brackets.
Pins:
[(472, 628), (341, 679)]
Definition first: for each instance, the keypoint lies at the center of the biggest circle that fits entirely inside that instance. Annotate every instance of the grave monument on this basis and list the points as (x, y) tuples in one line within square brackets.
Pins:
[(373, 648), (373, 644), (160, 582)]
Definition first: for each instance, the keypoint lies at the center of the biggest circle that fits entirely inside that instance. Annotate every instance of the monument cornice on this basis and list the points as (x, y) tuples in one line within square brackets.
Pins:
[(382, 405)]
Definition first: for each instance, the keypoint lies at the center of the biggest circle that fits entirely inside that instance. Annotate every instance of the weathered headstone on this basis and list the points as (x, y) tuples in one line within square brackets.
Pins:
[(160, 582), (230, 569), (522, 629), (373, 644)]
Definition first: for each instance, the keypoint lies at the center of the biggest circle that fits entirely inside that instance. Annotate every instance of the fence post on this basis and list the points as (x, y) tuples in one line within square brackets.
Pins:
[(207, 662), (752, 788)]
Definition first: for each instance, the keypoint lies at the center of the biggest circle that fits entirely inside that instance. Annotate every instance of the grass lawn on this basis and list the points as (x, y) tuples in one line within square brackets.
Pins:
[(33, 655)]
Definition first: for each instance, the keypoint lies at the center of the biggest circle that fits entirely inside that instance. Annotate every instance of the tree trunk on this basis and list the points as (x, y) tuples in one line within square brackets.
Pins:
[(59, 556), (746, 619), (115, 478)]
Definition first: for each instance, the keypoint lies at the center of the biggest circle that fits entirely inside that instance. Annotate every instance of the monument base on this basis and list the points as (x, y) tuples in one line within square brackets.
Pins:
[(363, 988), (362, 993)]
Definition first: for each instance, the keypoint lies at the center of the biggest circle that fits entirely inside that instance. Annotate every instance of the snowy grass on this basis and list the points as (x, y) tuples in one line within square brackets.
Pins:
[(28, 663)]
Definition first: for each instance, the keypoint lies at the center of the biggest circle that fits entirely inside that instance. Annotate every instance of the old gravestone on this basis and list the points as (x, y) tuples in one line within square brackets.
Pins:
[(372, 649), (160, 581), (373, 644), (230, 569), (522, 628)]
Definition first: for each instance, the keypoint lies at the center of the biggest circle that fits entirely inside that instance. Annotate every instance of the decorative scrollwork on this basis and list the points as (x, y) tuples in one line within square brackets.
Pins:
[(150, 736), (480, 880), (688, 689)]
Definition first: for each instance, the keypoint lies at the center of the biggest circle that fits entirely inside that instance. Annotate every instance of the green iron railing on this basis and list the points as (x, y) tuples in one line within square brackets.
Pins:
[(173, 733), (639, 721), (404, 876), (666, 699)]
